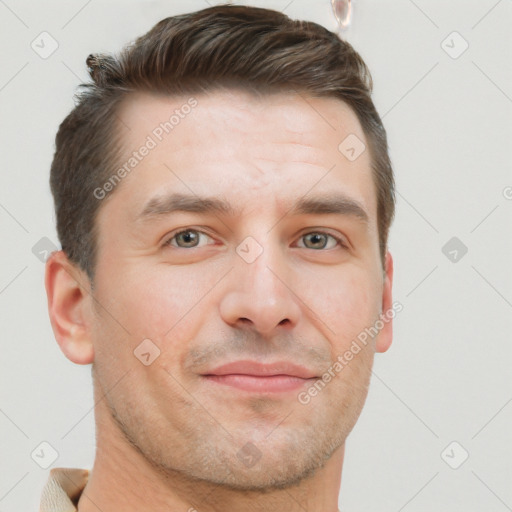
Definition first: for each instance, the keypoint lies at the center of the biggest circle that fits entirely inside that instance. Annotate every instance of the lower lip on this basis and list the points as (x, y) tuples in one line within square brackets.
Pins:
[(260, 384)]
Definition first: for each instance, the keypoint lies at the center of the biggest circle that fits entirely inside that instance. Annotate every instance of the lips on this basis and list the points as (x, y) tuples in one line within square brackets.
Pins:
[(258, 377), (263, 370)]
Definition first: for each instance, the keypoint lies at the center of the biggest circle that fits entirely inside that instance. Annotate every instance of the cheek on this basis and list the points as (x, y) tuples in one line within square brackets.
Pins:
[(160, 304), (346, 304)]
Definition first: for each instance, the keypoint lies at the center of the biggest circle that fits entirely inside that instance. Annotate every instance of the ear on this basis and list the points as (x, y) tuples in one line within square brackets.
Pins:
[(68, 291), (385, 336)]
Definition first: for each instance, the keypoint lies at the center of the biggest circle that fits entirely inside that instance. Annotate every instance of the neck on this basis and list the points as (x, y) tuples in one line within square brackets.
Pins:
[(123, 479)]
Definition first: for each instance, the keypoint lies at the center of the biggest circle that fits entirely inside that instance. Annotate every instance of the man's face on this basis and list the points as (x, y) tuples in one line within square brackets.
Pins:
[(258, 281)]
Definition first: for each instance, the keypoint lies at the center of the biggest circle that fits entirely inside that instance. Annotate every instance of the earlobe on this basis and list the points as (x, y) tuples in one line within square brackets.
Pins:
[(68, 308), (385, 336)]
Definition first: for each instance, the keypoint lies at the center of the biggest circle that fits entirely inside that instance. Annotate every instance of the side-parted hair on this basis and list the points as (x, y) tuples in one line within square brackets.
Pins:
[(249, 48)]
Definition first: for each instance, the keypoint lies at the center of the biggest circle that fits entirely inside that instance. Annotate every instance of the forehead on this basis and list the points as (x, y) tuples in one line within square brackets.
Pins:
[(275, 147)]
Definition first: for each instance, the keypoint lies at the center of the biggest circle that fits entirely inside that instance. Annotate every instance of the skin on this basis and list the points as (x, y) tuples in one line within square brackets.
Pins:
[(167, 437)]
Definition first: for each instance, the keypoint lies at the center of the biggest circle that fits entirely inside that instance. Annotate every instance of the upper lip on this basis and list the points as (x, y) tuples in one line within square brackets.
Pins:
[(263, 370)]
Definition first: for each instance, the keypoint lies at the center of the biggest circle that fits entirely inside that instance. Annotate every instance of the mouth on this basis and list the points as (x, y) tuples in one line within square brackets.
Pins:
[(254, 377)]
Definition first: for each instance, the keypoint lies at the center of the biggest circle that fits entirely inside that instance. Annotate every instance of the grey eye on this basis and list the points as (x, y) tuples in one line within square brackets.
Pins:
[(186, 239), (318, 240)]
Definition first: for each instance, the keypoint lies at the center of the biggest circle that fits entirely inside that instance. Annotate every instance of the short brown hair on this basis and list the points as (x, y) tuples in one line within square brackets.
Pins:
[(256, 49)]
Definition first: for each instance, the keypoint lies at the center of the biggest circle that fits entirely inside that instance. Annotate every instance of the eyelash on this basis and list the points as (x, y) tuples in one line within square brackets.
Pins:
[(167, 243)]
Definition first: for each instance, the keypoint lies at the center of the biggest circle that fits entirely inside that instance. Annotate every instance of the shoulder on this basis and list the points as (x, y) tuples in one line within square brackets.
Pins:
[(63, 488)]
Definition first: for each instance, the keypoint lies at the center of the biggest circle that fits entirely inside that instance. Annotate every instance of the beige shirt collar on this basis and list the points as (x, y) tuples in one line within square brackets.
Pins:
[(63, 489)]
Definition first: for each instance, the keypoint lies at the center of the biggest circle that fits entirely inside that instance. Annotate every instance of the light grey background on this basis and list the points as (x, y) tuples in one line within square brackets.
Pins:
[(447, 376)]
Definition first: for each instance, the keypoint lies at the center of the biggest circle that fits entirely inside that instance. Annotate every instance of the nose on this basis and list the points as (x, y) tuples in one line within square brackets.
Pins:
[(259, 295)]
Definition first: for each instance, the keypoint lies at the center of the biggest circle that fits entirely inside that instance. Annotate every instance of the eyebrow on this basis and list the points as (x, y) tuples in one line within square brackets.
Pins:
[(330, 204)]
